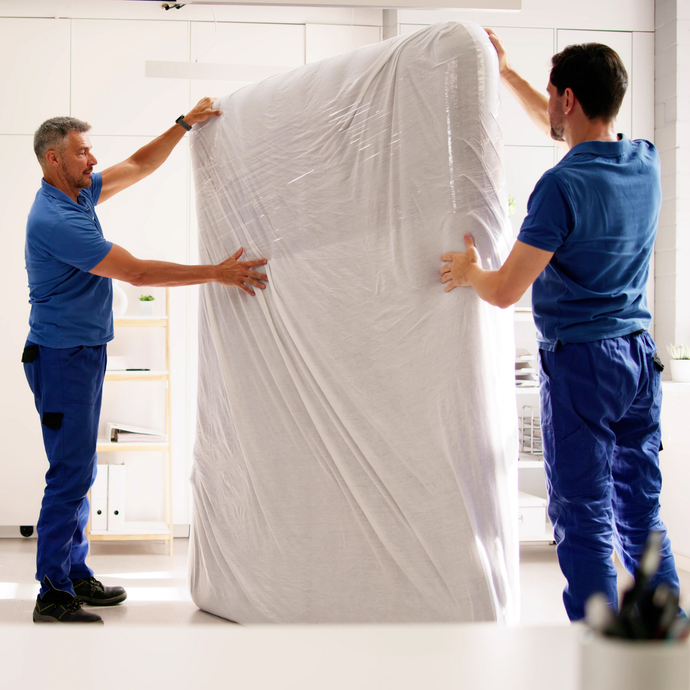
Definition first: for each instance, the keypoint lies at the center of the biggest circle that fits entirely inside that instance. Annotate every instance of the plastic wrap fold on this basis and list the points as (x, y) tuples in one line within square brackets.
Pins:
[(356, 446)]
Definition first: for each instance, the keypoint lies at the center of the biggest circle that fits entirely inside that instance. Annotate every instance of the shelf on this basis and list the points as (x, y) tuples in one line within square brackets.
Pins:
[(122, 375), (523, 314), (135, 531), (104, 446), (527, 390), (530, 464), (139, 531), (530, 500), (547, 536), (141, 322)]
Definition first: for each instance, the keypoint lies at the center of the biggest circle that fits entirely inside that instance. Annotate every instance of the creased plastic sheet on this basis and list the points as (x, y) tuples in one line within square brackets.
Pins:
[(356, 450)]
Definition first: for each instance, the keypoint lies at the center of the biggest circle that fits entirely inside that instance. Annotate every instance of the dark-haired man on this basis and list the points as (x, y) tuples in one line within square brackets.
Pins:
[(70, 265), (586, 244)]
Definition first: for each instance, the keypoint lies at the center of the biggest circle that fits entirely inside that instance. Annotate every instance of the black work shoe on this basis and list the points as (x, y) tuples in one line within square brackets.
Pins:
[(92, 593), (62, 607)]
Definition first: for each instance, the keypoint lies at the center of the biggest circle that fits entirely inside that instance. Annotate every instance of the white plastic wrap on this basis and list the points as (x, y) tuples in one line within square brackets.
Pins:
[(356, 450)]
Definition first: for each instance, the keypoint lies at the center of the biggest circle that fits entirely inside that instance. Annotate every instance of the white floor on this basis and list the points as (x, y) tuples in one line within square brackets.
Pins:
[(156, 583)]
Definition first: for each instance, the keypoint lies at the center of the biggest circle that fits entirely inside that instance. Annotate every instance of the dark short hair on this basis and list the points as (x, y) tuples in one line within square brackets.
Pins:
[(596, 76), (52, 134)]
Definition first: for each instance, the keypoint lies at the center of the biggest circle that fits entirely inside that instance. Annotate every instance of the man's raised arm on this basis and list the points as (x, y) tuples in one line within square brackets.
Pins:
[(150, 157), (534, 102)]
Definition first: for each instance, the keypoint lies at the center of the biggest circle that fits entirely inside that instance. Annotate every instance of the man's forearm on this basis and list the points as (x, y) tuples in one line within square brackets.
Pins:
[(167, 274), (151, 156), (119, 264), (533, 102), (489, 286)]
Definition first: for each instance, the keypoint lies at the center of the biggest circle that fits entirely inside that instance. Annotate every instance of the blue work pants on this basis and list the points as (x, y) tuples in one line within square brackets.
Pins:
[(600, 408), (67, 385)]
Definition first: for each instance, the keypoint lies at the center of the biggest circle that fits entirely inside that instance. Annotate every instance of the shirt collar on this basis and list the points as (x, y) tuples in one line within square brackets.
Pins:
[(58, 194), (609, 149)]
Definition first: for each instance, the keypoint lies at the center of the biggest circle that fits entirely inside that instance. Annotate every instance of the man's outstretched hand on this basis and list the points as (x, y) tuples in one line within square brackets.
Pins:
[(455, 272), (241, 274)]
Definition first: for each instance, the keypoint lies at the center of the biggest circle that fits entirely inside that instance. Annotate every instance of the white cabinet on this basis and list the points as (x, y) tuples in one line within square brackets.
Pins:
[(34, 80), (280, 46), (110, 89), (23, 461), (524, 166), (324, 41), (532, 517), (675, 468), (530, 52)]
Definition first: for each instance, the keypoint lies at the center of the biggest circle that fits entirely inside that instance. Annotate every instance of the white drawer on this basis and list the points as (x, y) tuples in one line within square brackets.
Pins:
[(531, 517)]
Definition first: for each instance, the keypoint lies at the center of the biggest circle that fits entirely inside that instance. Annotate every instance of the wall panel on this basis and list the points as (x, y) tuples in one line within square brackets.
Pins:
[(35, 79), (109, 86)]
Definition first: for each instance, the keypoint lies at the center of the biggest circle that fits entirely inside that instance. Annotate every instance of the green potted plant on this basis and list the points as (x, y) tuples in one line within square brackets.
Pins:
[(680, 362), (146, 305)]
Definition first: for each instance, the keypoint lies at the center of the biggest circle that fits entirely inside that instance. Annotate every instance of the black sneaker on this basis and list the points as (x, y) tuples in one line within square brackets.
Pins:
[(62, 607), (91, 592)]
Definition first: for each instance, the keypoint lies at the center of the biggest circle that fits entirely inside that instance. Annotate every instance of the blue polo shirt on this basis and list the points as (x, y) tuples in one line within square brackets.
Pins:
[(64, 241), (598, 211)]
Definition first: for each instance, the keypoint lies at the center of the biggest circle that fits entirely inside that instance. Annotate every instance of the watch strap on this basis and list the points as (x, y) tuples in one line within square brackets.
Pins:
[(181, 121)]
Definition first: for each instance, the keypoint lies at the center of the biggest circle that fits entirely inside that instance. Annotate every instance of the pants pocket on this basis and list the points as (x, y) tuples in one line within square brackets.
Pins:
[(53, 420), (580, 466), (29, 354), (81, 374)]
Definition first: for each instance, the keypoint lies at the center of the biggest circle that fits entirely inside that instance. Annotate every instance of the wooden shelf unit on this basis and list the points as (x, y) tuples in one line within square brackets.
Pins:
[(150, 530)]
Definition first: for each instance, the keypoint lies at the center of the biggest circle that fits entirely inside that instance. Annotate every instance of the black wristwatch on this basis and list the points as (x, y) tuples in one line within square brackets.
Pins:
[(180, 121)]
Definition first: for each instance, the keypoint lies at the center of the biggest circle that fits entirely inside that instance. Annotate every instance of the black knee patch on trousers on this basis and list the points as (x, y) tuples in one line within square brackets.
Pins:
[(53, 420)]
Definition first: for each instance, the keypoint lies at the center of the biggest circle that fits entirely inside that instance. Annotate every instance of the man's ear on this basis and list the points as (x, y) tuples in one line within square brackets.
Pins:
[(568, 101), (52, 158)]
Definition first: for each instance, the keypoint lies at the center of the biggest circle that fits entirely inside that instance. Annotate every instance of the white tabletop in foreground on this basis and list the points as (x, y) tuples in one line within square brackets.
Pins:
[(355, 657)]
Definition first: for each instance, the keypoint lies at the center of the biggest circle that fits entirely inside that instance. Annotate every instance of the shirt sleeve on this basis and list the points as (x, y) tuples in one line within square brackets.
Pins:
[(550, 218)]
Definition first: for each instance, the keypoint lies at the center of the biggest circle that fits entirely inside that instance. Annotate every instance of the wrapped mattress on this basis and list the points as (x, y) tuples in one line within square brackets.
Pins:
[(356, 452)]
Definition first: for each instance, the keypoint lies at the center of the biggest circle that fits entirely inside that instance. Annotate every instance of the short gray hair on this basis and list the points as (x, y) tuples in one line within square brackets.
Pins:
[(52, 134)]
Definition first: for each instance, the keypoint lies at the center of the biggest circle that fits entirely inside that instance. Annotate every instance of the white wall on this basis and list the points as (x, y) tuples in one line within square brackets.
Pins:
[(673, 139), (87, 58), (90, 63)]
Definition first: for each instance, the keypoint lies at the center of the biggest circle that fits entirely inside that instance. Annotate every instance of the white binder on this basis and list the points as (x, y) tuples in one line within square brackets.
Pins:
[(99, 500), (116, 497)]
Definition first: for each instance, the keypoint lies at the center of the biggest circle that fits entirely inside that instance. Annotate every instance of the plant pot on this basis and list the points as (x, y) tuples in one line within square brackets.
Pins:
[(680, 370), (146, 308)]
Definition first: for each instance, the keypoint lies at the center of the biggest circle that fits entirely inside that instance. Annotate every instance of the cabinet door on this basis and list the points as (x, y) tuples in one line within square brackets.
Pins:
[(23, 462), (110, 89), (324, 40), (642, 85), (621, 42), (530, 52), (34, 80), (148, 219), (524, 166), (262, 49)]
